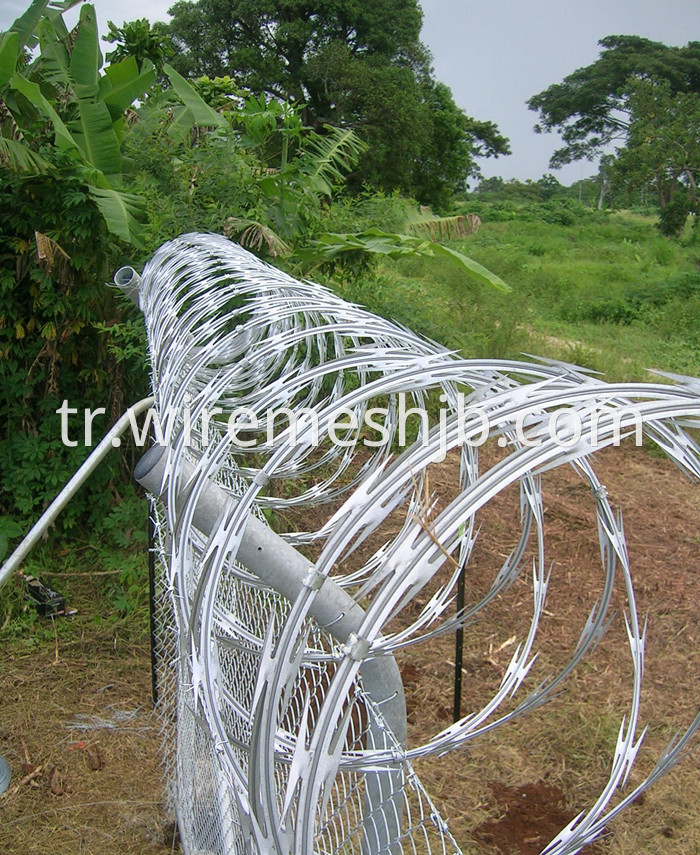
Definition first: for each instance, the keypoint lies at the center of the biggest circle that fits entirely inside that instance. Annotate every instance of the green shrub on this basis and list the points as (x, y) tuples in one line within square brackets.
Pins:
[(673, 217), (554, 212), (606, 310), (683, 286), (669, 301), (369, 209), (55, 255), (663, 252)]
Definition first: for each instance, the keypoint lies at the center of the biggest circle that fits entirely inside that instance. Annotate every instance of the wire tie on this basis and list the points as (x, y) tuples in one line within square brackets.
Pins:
[(355, 647), (314, 579)]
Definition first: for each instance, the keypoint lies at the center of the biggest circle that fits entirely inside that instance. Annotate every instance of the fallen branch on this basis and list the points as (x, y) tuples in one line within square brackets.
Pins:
[(35, 773)]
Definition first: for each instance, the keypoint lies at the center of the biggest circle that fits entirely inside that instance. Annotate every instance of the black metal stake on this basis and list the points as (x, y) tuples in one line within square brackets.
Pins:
[(459, 642)]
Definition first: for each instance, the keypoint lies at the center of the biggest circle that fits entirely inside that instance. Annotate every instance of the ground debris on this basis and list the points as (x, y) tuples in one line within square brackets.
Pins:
[(59, 782), (118, 719)]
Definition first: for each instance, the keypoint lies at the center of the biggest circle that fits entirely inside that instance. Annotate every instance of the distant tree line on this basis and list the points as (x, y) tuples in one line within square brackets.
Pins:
[(644, 97)]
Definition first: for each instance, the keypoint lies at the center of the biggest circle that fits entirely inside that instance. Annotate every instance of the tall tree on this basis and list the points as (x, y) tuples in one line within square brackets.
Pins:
[(663, 149), (453, 142), (591, 108), (352, 64)]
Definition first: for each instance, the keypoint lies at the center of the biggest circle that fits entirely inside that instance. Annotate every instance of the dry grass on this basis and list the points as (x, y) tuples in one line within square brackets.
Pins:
[(96, 790)]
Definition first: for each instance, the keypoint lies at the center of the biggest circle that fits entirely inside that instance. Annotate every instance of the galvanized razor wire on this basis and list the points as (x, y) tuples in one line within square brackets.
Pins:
[(281, 699)]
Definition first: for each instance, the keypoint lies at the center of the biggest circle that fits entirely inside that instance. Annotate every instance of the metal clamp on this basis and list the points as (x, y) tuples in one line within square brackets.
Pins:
[(262, 479), (355, 647), (314, 579)]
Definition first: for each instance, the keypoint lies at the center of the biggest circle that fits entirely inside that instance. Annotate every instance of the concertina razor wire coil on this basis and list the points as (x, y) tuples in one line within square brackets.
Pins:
[(283, 711)]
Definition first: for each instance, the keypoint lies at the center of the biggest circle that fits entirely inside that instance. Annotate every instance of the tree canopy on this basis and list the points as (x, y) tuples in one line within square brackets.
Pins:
[(268, 43), (351, 64), (663, 149), (591, 106)]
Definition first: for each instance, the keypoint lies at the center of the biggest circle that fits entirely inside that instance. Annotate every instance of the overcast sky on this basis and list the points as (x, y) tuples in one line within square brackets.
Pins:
[(495, 54)]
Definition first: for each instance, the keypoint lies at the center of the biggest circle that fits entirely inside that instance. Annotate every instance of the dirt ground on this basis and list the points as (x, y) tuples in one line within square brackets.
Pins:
[(557, 759), (76, 723)]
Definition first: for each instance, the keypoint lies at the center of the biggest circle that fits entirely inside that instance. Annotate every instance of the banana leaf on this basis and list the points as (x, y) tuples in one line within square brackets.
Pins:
[(34, 95), (18, 157), (123, 83), (95, 136), (25, 26), (9, 52), (202, 113), (54, 55), (123, 212), (86, 59), (328, 247)]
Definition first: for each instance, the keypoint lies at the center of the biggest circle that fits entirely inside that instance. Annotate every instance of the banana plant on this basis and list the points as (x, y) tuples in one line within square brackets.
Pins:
[(84, 104), (329, 248), (318, 168), (64, 86)]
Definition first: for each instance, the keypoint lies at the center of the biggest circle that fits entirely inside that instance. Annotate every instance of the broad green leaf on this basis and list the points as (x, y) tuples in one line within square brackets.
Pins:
[(473, 268), (328, 246), (9, 52), (26, 24), (271, 185), (34, 95), (86, 59), (94, 134), (125, 84), (55, 14), (9, 527), (18, 157), (118, 128), (123, 212), (181, 123), (202, 113), (54, 54)]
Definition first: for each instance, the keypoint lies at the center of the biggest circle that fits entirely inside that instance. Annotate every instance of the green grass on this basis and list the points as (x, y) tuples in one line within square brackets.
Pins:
[(608, 292)]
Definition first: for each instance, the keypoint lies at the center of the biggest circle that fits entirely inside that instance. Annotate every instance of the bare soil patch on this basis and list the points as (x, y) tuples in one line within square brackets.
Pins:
[(559, 756), (533, 814)]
